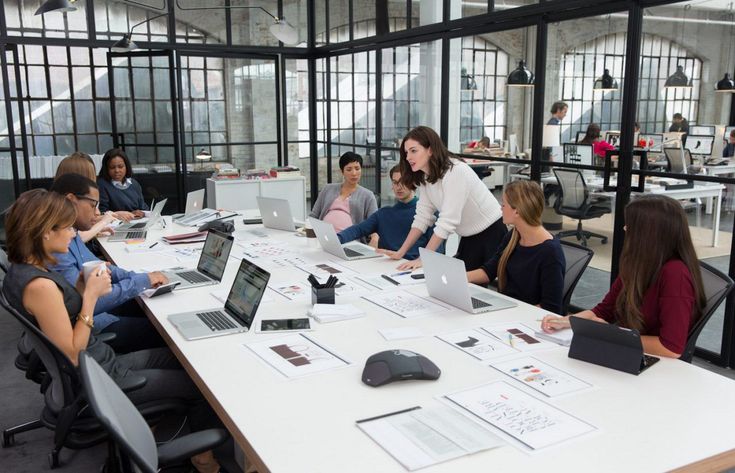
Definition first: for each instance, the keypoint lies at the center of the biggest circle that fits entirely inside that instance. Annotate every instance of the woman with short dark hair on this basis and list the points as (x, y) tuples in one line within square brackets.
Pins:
[(119, 192)]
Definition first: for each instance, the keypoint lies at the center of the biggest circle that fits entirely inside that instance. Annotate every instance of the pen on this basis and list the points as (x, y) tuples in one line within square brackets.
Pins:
[(401, 273), (153, 245), (510, 340), (389, 279)]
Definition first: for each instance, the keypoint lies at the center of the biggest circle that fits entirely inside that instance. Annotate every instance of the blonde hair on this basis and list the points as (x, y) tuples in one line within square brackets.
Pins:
[(35, 213), (77, 163), (526, 198)]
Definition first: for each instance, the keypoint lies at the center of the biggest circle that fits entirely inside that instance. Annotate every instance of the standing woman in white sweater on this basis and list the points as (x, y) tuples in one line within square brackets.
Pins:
[(447, 185)]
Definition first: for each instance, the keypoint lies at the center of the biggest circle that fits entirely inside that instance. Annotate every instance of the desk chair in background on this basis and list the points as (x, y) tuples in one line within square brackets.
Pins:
[(576, 259), (717, 285), (134, 446), (577, 203)]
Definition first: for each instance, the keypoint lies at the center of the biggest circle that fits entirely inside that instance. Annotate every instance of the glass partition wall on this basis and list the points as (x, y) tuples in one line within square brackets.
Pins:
[(361, 74)]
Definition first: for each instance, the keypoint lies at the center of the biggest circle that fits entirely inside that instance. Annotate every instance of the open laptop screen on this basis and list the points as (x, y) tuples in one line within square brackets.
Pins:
[(246, 293), (214, 254)]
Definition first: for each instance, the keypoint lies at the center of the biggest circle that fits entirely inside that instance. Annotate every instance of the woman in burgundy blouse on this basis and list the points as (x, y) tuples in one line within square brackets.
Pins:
[(659, 289)]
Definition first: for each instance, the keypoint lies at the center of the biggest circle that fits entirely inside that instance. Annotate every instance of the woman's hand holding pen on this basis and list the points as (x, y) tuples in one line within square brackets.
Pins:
[(553, 323)]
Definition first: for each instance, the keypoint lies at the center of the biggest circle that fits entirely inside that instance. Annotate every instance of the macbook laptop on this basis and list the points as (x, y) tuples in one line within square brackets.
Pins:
[(276, 213), (608, 345), (446, 280), (211, 266), (134, 231), (330, 243), (239, 310), (194, 203)]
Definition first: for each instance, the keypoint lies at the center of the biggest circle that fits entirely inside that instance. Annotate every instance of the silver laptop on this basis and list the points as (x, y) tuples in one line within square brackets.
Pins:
[(276, 213), (211, 266), (134, 231), (330, 243), (194, 203), (239, 310), (446, 280)]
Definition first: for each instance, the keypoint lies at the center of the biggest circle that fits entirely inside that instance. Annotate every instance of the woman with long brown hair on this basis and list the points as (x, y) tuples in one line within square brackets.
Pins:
[(659, 289), (451, 188), (529, 263)]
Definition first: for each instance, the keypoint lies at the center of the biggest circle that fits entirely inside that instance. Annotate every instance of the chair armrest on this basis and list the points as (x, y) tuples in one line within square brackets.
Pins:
[(106, 337), (131, 383), (190, 445)]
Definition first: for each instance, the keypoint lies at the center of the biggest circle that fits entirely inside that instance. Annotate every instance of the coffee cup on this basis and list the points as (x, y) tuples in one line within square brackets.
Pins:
[(93, 266), (308, 231)]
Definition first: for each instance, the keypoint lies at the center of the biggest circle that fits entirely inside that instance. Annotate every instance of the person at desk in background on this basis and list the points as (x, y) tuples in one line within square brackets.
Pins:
[(558, 112), (119, 192), (345, 203), (593, 137), (679, 124), (391, 224), (529, 263), (729, 150), (478, 146), (82, 164), (40, 224), (134, 330), (447, 185), (659, 289)]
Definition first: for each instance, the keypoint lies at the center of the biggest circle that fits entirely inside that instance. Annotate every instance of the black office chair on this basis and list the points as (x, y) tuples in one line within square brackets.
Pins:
[(577, 258), (575, 202), (717, 285), (134, 446)]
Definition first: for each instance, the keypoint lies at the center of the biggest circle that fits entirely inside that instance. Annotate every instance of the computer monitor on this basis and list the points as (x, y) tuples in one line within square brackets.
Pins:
[(700, 144), (653, 142), (580, 136), (613, 138), (726, 135), (578, 154), (702, 130)]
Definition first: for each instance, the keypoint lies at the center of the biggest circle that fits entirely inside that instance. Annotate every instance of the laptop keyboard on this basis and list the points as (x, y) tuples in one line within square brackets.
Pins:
[(352, 253), (193, 277), (479, 304), (137, 225), (216, 321), (135, 235)]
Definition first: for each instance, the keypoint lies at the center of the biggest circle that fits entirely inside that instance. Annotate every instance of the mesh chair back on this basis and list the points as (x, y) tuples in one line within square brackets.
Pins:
[(573, 188), (717, 285), (118, 415), (576, 257)]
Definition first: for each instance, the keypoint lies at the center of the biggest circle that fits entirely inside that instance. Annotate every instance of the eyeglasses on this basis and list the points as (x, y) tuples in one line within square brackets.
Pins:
[(396, 183), (95, 203)]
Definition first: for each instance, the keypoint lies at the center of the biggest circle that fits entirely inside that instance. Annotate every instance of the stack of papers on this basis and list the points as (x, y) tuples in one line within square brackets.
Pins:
[(325, 313), (562, 337), (183, 238)]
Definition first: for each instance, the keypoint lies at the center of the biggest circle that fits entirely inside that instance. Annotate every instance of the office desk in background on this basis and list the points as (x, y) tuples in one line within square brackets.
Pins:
[(672, 415)]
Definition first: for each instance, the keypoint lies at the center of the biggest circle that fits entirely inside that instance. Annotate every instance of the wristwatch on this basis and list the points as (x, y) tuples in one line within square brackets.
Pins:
[(87, 320)]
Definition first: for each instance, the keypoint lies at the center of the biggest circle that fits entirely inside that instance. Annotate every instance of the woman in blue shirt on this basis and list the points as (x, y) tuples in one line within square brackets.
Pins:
[(119, 192), (529, 263)]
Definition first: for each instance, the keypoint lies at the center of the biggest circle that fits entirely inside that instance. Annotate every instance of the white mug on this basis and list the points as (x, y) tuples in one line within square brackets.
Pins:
[(90, 266)]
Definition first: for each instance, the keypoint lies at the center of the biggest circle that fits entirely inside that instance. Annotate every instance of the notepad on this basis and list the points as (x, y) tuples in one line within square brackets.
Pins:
[(561, 337), (326, 313)]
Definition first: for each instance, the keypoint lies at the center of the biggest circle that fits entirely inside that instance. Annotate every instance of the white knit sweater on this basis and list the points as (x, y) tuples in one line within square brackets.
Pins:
[(466, 206)]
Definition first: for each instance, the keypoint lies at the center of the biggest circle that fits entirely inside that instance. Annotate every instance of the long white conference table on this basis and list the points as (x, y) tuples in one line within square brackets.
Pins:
[(674, 415)]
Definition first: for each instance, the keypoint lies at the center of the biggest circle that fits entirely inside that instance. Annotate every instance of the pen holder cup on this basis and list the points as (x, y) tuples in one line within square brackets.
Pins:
[(322, 296)]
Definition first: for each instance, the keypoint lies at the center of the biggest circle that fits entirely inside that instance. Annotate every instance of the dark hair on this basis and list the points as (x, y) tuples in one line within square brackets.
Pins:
[(347, 158), (439, 161), (678, 115), (35, 213), (397, 169), (636, 125), (484, 141), (72, 184), (558, 107), (657, 231), (592, 133), (109, 156), (732, 133)]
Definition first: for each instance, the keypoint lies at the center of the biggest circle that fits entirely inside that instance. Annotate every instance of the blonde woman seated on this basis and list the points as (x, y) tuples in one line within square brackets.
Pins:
[(659, 289), (529, 263), (82, 164)]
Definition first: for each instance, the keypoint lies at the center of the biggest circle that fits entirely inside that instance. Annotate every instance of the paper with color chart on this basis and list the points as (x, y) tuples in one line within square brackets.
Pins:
[(418, 437), (477, 343), (297, 355), (404, 304), (293, 290), (518, 336), (529, 421), (540, 376)]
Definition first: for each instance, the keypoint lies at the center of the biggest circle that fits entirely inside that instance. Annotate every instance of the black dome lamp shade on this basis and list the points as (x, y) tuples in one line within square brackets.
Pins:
[(678, 80), (520, 76), (61, 6), (725, 84)]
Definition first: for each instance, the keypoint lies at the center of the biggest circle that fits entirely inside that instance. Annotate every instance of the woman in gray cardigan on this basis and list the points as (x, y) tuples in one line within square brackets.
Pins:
[(347, 203)]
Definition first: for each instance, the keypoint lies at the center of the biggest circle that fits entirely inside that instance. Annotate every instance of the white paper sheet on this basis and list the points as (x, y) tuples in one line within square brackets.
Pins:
[(517, 335), (376, 281), (531, 422), (297, 355), (401, 333), (477, 343), (542, 377), (404, 304)]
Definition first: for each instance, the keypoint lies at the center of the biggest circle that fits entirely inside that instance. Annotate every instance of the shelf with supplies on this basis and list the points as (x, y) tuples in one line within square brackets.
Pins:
[(241, 193)]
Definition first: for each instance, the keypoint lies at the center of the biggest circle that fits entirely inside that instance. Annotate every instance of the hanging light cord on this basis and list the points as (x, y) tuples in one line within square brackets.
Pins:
[(231, 7)]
